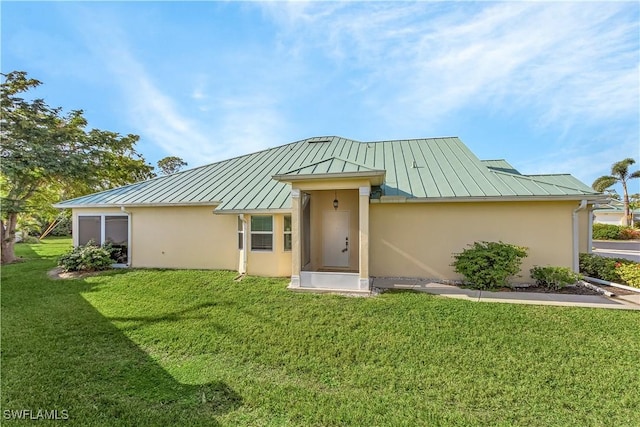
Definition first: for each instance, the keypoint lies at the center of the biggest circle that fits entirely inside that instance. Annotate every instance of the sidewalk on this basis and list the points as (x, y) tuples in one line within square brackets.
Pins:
[(564, 300)]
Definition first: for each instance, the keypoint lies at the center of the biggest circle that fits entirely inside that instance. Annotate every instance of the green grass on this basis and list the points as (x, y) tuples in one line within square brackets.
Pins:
[(154, 347)]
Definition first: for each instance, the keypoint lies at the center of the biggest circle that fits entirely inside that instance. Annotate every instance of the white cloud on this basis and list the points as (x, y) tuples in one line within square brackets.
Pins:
[(568, 62), (201, 127)]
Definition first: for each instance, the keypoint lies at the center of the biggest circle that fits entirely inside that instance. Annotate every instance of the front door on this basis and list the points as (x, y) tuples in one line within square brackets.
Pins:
[(335, 242)]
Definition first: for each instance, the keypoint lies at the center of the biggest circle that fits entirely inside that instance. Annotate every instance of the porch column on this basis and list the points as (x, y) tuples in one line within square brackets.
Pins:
[(364, 237), (296, 257)]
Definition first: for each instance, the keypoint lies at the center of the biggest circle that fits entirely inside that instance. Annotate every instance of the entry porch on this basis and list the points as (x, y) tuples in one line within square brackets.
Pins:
[(330, 229)]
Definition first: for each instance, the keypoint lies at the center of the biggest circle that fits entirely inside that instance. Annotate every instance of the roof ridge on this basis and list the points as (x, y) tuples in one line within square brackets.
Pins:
[(406, 139), (548, 174), (528, 177)]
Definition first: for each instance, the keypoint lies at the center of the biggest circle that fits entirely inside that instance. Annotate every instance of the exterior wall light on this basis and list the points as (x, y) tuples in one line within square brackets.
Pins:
[(335, 200)]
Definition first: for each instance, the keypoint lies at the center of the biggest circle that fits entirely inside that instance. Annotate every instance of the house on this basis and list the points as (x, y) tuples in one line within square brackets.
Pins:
[(612, 212), (332, 213)]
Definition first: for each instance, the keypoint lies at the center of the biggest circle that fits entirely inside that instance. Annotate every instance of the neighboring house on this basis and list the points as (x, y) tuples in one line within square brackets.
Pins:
[(613, 213), (332, 213)]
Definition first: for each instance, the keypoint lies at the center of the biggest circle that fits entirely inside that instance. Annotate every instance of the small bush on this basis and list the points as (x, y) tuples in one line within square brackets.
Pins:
[(592, 265), (553, 278), (628, 233), (30, 240), (487, 265), (86, 258), (630, 273), (614, 232)]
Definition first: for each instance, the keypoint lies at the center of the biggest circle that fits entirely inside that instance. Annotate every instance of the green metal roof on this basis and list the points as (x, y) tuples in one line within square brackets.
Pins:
[(614, 206), (433, 168)]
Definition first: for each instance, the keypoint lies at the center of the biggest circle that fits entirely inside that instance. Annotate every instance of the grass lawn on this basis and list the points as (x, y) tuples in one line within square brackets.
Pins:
[(155, 347)]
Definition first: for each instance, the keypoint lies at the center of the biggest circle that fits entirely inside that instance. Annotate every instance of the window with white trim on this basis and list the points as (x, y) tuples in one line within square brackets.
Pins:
[(106, 229), (261, 233), (287, 232)]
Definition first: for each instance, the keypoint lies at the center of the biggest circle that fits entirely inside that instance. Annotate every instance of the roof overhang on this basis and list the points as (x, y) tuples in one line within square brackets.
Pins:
[(374, 177), (252, 211), (132, 205), (401, 199)]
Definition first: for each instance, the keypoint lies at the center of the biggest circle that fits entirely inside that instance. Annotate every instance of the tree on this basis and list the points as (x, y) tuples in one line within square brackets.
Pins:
[(171, 164), (44, 149), (619, 174)]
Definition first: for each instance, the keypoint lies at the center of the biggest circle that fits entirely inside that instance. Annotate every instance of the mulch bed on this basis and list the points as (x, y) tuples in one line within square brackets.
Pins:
[(57, 274), (568, 290)]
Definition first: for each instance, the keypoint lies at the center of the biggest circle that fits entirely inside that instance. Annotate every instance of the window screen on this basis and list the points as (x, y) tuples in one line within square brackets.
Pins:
[(89, 229)]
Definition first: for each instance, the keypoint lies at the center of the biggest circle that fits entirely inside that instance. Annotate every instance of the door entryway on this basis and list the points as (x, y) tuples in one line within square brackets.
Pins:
[(335, 244)]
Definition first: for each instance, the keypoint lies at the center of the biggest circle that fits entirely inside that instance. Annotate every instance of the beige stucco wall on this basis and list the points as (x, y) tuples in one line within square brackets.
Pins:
[(417, 240), (179, 237), (406, 239), (274, 263)]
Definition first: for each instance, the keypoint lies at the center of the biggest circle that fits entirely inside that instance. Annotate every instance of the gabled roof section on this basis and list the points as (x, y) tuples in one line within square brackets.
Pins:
[(332, 168), (422, 169), (333, 165)]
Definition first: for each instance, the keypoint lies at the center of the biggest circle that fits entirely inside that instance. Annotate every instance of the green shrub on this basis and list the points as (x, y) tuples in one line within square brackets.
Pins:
[(487, 265), (553, 278), (592, 265), (630, 273), (614, 232), (86, 258), (63, 228), (30, 240), (118, 253), (606, 231)]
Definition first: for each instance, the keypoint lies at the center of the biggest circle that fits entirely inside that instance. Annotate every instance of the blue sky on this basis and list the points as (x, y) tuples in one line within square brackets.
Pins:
[(552, 87)]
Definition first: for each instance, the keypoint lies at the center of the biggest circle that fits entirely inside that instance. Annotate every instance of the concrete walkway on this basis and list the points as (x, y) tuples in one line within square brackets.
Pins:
[(631, 302), (627, 249)]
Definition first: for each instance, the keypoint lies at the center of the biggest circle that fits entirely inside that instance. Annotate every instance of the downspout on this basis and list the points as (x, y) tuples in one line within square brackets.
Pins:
[(576, 240), (123, 210), (244, 244), (590, 231)]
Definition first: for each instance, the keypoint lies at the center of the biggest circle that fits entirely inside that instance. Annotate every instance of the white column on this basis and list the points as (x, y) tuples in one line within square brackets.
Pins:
[(364, 237), (296, 256)]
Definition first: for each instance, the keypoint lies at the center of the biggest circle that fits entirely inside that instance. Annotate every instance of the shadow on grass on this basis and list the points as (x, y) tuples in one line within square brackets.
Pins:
[(175, 316), (25, 252), (58, 352)]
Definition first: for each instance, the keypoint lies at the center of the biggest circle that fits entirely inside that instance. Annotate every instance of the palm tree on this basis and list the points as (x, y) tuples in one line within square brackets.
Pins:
[(619, 174)]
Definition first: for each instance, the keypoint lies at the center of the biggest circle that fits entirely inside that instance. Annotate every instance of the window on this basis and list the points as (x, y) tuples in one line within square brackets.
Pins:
[(261, 233), (101, 229), (287, 232), (89, 228), (240, 235)]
